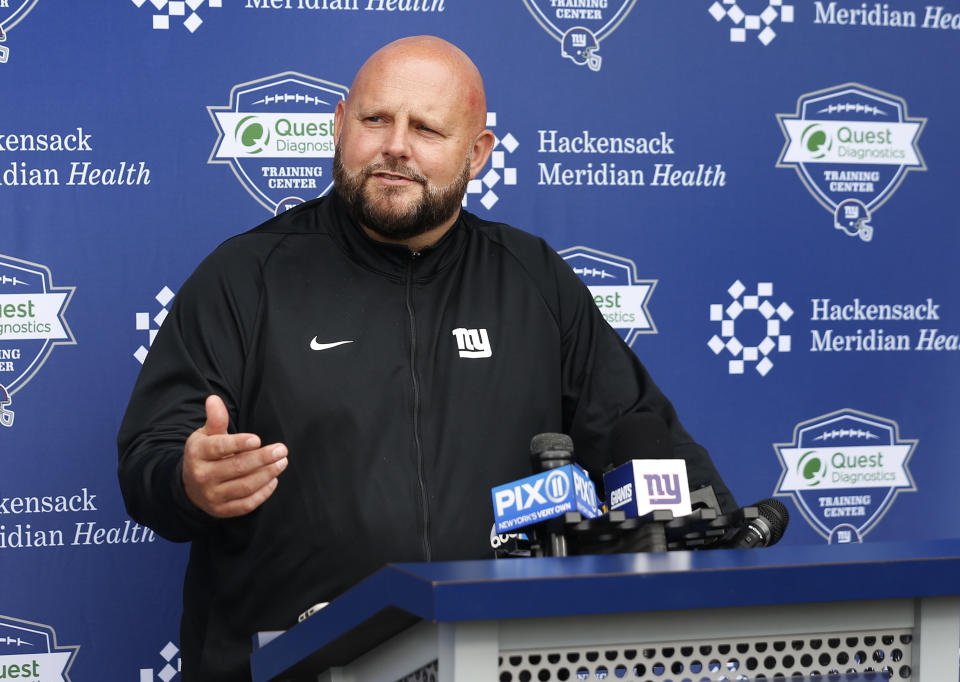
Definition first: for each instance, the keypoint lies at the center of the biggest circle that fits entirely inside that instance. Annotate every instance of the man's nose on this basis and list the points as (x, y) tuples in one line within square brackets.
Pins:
[(397, 142)]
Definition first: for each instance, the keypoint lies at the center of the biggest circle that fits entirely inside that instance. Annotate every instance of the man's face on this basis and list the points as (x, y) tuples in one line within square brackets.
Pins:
[(380, 208), (405, 146)]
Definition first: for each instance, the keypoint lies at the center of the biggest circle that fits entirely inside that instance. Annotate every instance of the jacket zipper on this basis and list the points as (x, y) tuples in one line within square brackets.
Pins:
[(416, 408)]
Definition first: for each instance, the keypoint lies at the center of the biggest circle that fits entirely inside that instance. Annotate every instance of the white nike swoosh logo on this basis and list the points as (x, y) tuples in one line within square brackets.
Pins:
[(316, 345)]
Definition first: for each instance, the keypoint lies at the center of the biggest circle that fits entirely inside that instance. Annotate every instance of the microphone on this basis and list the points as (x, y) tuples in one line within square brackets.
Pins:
[(550, 451), (766, 529), (559, 487), (647, 475)]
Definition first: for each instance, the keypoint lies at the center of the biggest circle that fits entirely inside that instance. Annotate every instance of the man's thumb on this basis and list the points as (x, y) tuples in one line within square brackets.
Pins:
[(217, 416)]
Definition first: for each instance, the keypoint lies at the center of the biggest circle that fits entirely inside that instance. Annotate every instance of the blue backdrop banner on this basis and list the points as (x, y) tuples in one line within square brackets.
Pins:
[(760, 194)]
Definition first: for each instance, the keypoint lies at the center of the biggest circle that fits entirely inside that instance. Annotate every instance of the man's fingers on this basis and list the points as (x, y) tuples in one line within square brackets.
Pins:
[(237, 494), (228, 474), (245, 505), (246, 463), (217, 416), (242, 494), (216, 470), (236, 484), (211, 448)]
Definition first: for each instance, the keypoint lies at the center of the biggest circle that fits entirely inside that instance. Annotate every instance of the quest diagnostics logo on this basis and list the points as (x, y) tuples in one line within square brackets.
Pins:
[(580, 25), (277, 136), (852, 146), (621, 296), (31, 325), (844, 469), (253, 135), (817, 141), (29, 651)]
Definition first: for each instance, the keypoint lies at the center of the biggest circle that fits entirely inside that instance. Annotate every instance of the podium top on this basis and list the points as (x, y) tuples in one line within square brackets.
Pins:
[(400, 595)]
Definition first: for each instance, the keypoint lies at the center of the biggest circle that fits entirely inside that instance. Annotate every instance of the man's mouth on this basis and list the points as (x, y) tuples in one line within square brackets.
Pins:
[(395, 176), (392, 177)]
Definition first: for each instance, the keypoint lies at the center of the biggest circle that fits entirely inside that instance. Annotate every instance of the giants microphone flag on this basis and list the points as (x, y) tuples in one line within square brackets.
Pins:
[(544, 496), (642, 485)]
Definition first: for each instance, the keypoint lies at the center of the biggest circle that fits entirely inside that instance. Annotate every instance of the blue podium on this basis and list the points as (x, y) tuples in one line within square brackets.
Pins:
[(670, 617)]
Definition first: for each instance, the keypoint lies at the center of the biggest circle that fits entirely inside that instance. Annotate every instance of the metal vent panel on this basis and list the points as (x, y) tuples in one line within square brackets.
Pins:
[(740, 659), (427, 673)]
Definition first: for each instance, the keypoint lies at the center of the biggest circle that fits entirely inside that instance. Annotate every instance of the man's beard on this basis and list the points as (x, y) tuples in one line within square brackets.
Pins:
[(435, 206)]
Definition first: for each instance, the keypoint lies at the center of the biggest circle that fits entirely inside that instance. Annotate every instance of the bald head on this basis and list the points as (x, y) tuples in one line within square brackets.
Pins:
[(410, 136), (442, 60)]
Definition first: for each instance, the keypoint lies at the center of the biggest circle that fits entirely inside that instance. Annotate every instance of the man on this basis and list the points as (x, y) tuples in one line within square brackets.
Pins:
[(342, 386)]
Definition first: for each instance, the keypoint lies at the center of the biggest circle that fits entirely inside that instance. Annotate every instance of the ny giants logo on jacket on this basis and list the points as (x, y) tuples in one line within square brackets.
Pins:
[(473, 343)]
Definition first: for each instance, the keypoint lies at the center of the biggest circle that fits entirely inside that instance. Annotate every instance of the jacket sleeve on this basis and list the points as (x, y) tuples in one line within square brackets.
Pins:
[(199, 350), (603, 380)]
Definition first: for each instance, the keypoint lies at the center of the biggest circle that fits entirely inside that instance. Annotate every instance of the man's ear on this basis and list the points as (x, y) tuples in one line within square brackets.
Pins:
[(338, 120), (482, 146)]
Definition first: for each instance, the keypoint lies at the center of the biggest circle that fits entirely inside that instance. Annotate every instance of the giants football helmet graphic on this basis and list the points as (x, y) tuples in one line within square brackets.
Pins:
[(853, 218), (580, 45), (6, 416)]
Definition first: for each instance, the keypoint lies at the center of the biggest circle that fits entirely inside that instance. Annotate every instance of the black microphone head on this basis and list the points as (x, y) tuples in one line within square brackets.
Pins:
[(551, 450), (777, 517), (640, 435)]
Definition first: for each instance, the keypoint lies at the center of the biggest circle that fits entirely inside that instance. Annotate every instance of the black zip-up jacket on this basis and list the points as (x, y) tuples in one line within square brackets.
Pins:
[(456, 356)]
